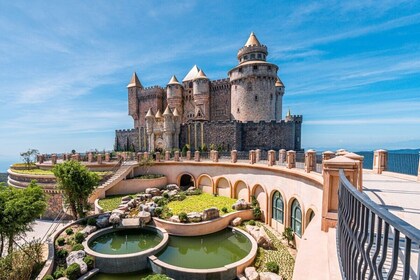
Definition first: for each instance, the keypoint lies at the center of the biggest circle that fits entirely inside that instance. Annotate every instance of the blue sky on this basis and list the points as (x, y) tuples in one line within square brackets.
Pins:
[(351, 68)]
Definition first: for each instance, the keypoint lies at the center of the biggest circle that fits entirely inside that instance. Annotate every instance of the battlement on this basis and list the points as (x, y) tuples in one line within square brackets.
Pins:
[(153, 88), (126, 130), (220, 81)]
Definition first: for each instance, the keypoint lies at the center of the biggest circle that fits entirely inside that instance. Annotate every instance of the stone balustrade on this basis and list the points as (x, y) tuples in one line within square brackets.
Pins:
[(291, 159)]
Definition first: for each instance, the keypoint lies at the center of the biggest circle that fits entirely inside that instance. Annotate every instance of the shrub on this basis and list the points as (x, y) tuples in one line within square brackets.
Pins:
[(288, 234), (161, 202), (69, 231), (91, 222), (224, 210), (254, 201), (257, 212), (182, 196), (251, 223), (61, 241), (158, 211), (166, 195), (79, 237), (73, 271), (78, 247), (48, 277), (90, 262), (157, 277), (62, 253), (272, 267), (183, 217), (58, 274)]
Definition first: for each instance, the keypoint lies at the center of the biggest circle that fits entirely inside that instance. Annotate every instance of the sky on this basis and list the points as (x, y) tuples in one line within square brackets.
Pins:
[(351, 68)]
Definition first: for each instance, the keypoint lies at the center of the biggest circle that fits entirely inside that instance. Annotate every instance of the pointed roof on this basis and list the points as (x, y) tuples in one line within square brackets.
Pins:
[(149, 113), (176, 114), (252, 41), (279, 83), (289, 114), (158, 114), (201, 75), (167, 111), (191, 75), (173, 81), (134, 82)]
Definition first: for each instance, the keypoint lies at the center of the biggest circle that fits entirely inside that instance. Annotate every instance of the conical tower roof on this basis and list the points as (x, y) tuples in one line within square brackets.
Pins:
[(134, 82), (176, 114), (149, 113), (279, 83), (252, 41), (289, 114), (201, 75), (191, 75), (173, 81), (158, 114), (167, 111)]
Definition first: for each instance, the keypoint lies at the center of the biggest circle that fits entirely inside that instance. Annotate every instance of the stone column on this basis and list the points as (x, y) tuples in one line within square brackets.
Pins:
[(40, 158), (380, 161), (234, 156), (176, 156), (331, 186), (271, 157), (359, 160), (197, 156), (107, 157), (124, 156), (310, 161), (167, 155), (99, 158), (252, 157), (188, 157), (215, 157), (77, 157), (139, 156), (291, 159), (90, 157), (326, 156), (145, 155), (157, 154), (54, 159), (341, 152), (257, 155), (282, 156)]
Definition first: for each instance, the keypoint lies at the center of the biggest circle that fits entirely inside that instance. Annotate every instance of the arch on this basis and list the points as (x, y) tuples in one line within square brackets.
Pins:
[(205, 183), (310, 214), (296, 217), (260, 194), (186, 180), (241, 190), (277, 207), (223, 187)]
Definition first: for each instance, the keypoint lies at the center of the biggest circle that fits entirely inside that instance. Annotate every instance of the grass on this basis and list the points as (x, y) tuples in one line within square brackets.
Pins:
[(197, 203), (110, 202), (149, 176), (38, 171)]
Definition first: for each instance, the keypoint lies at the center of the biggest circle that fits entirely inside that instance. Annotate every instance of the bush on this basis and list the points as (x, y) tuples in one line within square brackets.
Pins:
[(48, 277), (181, 196), (224, 210), (78, 247), (58, 274), (73, 271), (157, 277), (166, 195), (195, 192), (257, 212), (69, 231), (183, 217), (61, 241), (158, 211), (161, 202), (272, 267), (62, 253), (91, 222), (79, 237), (90, 262), (251, 223), (288, 234)]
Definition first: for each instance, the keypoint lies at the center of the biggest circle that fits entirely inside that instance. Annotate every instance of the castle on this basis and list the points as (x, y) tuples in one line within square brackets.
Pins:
[(242, 112)]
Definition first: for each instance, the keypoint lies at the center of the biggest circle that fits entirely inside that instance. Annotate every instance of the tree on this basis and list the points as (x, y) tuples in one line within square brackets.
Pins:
[(29, 157), (146, 163), (77, 184)]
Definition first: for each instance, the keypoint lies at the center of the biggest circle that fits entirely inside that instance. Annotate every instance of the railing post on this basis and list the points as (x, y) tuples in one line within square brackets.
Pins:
[(139, 156), (176, 156), (310, 161), (90, 157), (291, 159), (197, 156), (167, 155), (271, 157), (188, 157), (40, 158), (282, 156), (76, 157), (107, 157), (331, 169), (99, 158), (341, 152), (359, 160), (215, 156), (257, 155), (234, 156), (54, 159), (380, 161), (145, 155), (326, 156), (252, 157), (157, 154)]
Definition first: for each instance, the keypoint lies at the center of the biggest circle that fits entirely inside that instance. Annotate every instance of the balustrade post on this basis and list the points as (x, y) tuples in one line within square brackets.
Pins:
[(257, 155), (331, 178), (326, 156), (145, 155), (359, 160), (215, 156), (291, 159), (54, 159), (90, 157), (107, 157), (310, 161), (282, 156), (40, 158), (139, 156), (77, 157), (176, 156), (188, 155), (234, 156), (167, 155), (157, 154), (341, 152), (271, 157), (252, 157), (380, 161), (197, 156), (99, 158)]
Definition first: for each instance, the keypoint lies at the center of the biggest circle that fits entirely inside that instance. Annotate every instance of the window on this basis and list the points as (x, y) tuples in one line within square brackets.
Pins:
[(252, 56), (249, 86), (245, 57), (271, 96), (259, 55), (237, 110), (296, 218), (278, 208), (190, 85), (256, 97), (255, 67), (269, 68), (240, 70)]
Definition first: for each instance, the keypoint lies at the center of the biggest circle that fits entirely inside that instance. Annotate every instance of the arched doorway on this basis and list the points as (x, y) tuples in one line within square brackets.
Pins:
[(296, 218), (310, 214), (186, 181)]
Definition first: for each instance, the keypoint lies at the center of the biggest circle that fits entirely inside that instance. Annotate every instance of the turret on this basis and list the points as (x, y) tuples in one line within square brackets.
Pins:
[(168, 127), (174, 94), (252, 50), (150, 119), (134, 88), (201, 90), (279, 98)]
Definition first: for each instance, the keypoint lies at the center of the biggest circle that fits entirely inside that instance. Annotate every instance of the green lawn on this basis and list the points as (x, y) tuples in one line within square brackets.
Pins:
[(110, 202), (37, 171), (197, 203)]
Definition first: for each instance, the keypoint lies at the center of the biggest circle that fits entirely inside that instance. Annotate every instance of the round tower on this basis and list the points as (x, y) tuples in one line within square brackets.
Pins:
[(174, 94), (279, 98), (253, 92), (201, 93)]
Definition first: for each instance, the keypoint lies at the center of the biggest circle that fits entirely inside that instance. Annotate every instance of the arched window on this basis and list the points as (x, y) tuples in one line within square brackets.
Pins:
[(277, 212), (296, 218)]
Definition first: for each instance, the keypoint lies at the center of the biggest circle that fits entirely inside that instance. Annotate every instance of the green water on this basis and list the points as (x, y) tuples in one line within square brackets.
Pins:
[(207, 251), (125, 241), (125, 276)]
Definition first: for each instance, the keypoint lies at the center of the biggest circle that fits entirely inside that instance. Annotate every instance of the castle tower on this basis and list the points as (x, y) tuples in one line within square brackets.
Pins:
[(174, 94), (253, 91), (279, 98), (134, 88), (150, 119), (168, 127), (177, 125), (201, 90)]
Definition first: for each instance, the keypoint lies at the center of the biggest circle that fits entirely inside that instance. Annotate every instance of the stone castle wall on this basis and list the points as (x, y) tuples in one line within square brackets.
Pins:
[(220, 100)]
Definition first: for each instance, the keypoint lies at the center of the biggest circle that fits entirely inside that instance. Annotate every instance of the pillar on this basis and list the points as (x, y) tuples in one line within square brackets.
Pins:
[(359, 160), (40, 158), (326, 156), (341, 152), (291, 159), (257, 155), (77, 157), (234, 156), (380, 161), (188, 155), (310, 161), (99, 159), (139, 156), (271, 157), (157, 154), (54, 159), (167, 155), (282, 156), (176, 156), (331, 178), (197, 156), (107, 157), (215, 156), (90, 157), (252, 157)]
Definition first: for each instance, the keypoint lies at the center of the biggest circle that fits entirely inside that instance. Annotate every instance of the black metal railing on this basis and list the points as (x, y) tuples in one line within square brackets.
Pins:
[(372, 243)]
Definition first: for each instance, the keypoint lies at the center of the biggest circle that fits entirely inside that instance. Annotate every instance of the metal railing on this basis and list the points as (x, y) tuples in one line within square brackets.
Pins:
[(372, 243)]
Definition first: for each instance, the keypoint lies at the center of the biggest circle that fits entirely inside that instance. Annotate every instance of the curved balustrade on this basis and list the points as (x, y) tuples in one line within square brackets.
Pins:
[(372, 243)]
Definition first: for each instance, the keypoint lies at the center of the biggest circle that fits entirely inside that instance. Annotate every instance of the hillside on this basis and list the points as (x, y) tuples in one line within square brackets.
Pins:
[(3, 177)]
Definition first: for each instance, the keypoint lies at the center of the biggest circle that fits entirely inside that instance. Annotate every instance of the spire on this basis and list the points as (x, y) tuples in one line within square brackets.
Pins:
[(149, 113), (167, 111), (176, 114), (173, 81), (134, 82), (158, 114), (289, 114), (191, 75), (201, 75), (279, 83), (252, 41)]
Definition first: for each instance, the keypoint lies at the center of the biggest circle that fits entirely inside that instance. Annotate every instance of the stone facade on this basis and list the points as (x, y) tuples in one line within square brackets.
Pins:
[(241, 112)]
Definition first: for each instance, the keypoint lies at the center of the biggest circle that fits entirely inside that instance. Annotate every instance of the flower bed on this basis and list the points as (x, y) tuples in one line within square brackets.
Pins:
[(197, 203)]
